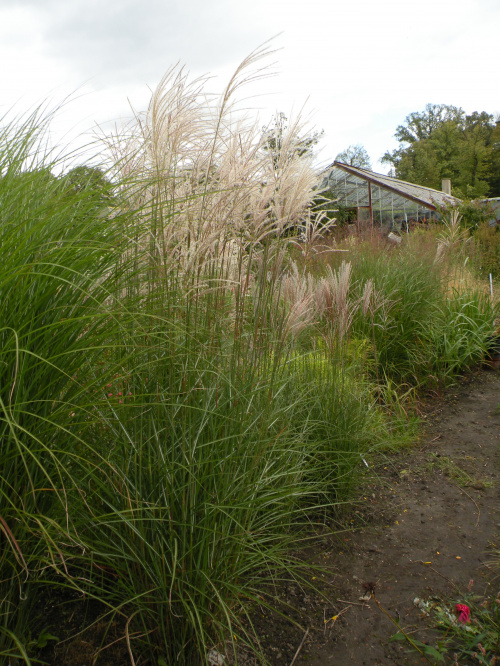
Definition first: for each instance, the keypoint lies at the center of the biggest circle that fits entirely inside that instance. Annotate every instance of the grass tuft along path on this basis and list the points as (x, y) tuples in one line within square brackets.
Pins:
[(426, 526)]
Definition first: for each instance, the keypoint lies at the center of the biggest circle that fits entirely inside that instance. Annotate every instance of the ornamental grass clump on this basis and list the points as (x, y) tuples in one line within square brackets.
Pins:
[(207, 480), (338, 417), (151, 458), (197, 168), (55, 323), (461, 332), (423, 330)]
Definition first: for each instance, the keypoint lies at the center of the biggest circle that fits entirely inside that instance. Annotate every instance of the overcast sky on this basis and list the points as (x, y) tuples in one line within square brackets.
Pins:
[(360, 67)]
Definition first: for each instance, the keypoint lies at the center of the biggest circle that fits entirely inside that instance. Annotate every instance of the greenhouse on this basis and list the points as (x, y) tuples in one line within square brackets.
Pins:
[(377, 199)]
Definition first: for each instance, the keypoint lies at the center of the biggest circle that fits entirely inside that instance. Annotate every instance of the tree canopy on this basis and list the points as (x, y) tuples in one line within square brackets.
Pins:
[(355, 155), (84, 177), (444, 142), (281, 142)]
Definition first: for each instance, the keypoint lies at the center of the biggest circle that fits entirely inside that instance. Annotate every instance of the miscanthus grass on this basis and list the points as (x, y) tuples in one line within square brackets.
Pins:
[(55, 318), (178, 398), (151, 458)]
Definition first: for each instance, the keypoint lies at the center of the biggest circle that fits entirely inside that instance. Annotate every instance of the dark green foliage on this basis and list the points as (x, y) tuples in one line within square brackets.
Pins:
[(444, 142), (92, 183), (84, 177), (474, 212)]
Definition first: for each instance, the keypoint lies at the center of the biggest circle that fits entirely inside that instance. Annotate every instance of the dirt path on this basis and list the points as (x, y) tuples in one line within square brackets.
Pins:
[(429, 521)]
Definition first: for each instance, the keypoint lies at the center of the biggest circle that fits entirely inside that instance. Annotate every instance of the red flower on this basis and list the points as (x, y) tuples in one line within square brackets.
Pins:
[(463, 613)]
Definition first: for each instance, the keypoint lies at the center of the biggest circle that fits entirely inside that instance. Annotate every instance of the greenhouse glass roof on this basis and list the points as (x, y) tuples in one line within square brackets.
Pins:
[(388, 199)]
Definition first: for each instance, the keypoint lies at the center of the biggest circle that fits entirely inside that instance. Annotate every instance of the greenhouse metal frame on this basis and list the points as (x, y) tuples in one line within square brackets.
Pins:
[(383, 200)]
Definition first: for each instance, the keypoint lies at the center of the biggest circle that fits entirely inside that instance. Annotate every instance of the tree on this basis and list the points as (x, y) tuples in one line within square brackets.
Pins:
[(421, 126), (283, 143), (89, 188), (494, 175), (83, 178), (355, 155), (444, 142)]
